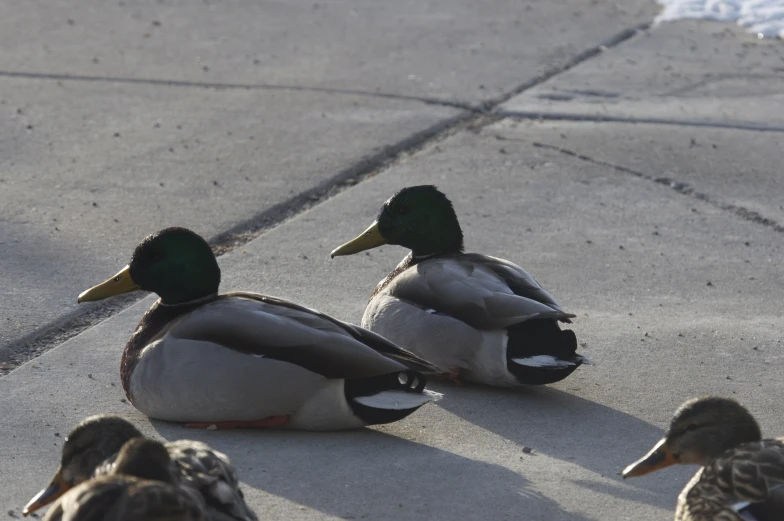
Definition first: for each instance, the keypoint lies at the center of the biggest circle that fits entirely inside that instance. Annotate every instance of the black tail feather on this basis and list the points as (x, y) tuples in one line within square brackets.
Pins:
[(541, 338), (407, 381)]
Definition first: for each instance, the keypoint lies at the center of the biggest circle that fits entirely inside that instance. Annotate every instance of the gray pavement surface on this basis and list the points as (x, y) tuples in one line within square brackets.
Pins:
[(141, 157), (685, 73), (448, 49), (667, 248), (122, 117), (464, 456)]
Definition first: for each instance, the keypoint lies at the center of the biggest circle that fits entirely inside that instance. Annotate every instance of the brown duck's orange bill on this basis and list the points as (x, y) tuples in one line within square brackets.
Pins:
[(56, 488), (370, 238), (120, 283), (658, 458)]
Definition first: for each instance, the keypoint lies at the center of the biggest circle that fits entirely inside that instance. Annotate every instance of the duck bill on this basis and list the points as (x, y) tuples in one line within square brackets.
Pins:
[(117, 285), (370, 238), (658, 458), (56, 488)]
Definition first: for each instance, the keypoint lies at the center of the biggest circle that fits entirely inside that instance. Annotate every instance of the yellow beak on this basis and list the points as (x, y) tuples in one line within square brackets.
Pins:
[(120, 283), (56, 488), (657, 458), (370, 238)]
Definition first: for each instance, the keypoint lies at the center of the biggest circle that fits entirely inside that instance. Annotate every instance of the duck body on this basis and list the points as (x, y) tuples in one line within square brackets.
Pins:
[(243, 357), (481, 317), (744, 484), (126, 498), (248, 360), (198, 467)]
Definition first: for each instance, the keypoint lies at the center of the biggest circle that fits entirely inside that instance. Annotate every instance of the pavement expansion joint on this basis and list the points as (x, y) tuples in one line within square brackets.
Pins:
[(464, 105), (715, 77), (678, 186), (471, 119), (566, 116), (614, 41)]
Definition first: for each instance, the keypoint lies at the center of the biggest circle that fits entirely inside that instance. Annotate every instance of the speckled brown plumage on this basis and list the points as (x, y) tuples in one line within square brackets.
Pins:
[(139, 487), (752, 472)]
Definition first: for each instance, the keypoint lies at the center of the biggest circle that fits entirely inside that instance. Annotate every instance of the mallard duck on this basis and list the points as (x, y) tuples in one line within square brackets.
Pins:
[(249, 360), (742, 475), (139, 487), (93, 450), (481, 318)]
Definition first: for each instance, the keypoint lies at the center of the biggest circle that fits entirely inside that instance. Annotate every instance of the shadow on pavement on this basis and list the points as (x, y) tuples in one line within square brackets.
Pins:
[(569, 428), (367, 474)]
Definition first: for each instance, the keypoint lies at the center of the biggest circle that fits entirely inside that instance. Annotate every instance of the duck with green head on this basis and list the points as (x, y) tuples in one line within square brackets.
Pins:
[(248, 360), (742, 475), (94, 449), (483, 318)]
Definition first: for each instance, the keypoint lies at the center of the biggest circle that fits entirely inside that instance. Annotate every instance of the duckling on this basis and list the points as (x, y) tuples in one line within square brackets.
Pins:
[(482, 318), (92, 450), (742, 475)]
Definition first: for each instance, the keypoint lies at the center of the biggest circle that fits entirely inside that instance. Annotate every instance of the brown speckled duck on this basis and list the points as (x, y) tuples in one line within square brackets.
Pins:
[(92, 451), (742, 475), (139, 487)]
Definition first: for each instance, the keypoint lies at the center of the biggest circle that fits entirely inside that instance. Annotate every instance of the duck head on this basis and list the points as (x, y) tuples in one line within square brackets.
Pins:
[(144, 458), (175, 263), (88, 445), (701, 431), (419, 218)]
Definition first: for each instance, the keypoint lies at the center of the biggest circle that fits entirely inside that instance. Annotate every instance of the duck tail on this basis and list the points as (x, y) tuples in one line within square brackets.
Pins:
[(389, 397), (539, 352)]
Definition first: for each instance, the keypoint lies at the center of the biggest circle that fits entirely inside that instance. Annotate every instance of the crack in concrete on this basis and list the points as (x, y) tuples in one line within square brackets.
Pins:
[(78, 320), (483, 106), (471, 119), (678, 186), (717, 77), (566, 116), (614, 41), (238, 86)]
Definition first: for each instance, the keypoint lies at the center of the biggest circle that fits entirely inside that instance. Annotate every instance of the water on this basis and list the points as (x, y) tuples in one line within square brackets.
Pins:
[(765, 18)]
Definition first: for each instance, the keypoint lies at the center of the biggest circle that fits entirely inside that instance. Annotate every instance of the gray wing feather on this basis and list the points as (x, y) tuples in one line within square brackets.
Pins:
[(292, 334), (484, 292), (368, 338)]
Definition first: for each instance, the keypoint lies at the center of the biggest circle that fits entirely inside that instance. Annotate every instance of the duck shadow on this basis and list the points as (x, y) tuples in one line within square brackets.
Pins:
[(570, 428), (368, 474)]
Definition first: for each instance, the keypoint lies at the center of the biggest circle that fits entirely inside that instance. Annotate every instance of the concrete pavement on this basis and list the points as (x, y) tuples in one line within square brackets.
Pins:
[(128, 116), (464, 456), (665, 246)]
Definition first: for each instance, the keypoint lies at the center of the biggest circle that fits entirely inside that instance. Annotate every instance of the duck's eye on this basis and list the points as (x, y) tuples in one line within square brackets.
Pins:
[(156, 257)]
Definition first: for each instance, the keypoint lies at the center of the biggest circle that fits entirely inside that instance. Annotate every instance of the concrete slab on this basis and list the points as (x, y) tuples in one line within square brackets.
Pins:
[(729, 167), (174, 105), (85, 167), (630, 257), (687, 72), (450, 49)]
